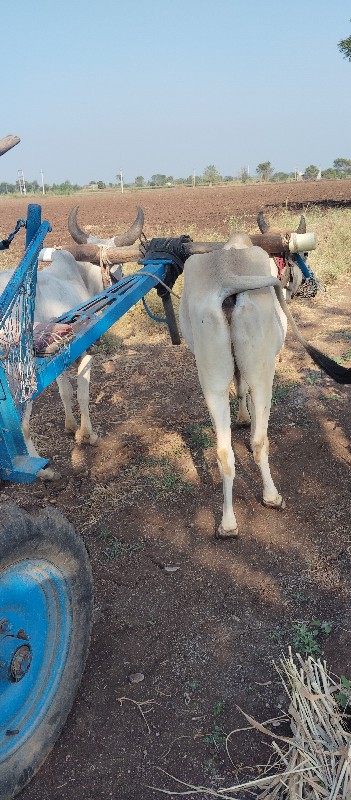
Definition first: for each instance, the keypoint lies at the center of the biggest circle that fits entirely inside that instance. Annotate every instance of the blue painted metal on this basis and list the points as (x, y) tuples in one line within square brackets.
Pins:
[(302, 264), (35, 600), (18, 277), (15, 462)]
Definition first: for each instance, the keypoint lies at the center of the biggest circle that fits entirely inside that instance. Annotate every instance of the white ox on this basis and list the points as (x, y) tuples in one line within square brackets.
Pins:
[(62, 285), (236, 333)]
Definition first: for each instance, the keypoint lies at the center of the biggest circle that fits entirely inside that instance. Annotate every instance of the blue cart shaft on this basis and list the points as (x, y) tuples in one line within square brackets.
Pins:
[(93, 319)]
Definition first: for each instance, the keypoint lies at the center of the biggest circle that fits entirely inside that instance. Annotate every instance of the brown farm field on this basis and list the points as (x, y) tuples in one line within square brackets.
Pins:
[(149, 496)]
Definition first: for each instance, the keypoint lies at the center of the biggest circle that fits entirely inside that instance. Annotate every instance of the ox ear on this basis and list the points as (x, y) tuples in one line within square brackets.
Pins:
[(261, 222), (302, 225)]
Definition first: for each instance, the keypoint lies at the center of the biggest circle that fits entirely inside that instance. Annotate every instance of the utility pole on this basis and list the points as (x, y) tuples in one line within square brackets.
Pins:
[(121, 179), (42, 181), (194, 180), (21, 182)]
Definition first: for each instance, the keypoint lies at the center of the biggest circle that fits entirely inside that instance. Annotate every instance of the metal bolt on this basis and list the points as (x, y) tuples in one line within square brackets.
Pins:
[(20, 663), (21, 634)]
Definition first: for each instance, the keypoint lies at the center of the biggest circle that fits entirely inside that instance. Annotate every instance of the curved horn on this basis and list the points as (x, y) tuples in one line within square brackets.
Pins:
[(302, 225), (76, 232), (261, 222), (130, 236), (125, 239)]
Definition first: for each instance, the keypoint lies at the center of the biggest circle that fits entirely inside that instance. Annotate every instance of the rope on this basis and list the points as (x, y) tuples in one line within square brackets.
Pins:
[(151, 275), (105, 265)]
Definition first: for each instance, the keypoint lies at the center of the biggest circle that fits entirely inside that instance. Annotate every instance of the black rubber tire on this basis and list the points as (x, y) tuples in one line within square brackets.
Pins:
[(48, 536)]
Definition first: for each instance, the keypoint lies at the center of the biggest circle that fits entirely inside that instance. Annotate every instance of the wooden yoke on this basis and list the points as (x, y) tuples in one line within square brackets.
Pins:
[(7, 142), (273, 243)]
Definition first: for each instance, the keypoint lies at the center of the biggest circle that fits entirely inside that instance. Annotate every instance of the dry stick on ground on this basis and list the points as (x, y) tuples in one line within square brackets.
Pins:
[(139, 705)]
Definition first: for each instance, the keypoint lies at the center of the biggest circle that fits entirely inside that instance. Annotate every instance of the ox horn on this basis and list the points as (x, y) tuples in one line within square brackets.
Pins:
[(302, 225), (261, 222), (124, 240)]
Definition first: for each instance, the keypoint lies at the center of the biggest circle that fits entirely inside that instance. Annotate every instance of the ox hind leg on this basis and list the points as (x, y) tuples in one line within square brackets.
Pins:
[(261, 397), (85, 432), (212, 348), (66, 393), (242, 393), (46, 474)]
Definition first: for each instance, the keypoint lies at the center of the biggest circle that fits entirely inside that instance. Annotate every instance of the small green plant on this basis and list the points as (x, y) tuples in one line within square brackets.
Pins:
[(305, 635), (332, 396), (344, 697), (116, 548), (344, 358), (281, 392), (162, 476), (201, 437), (193, 685), (313, 376), (217, 737), (218, 709)]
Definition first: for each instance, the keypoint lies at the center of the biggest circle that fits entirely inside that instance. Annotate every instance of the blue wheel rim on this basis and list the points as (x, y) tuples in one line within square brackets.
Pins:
[(35, 599)]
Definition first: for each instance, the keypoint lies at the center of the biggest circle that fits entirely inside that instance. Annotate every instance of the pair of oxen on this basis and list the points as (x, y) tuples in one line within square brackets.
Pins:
[(233, 316)]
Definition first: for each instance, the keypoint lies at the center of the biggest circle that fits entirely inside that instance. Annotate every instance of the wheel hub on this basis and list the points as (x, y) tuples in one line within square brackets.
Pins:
[(15, 656)]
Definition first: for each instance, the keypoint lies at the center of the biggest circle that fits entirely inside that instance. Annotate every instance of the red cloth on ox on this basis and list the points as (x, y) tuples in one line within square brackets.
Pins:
[(48, 337), (280, 265)]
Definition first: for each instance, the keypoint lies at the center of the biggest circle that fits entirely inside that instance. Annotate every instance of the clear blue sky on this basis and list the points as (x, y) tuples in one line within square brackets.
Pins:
[(169, 86)]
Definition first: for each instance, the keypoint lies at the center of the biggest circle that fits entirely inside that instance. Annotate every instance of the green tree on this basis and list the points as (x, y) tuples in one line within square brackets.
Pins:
[(244, 175), (157, 180), (311, 173), (342, 165), (101, 185), (211, 175), (331, 174), (345, 47), (280, 176), (139, 181), (264, 170)]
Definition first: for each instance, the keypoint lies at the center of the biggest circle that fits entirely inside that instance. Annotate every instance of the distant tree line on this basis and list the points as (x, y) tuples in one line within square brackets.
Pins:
[(210, 177)]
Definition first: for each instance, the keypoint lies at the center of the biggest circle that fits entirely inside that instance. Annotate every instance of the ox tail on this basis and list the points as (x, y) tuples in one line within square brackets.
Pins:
[(235, 284), (332, 368)]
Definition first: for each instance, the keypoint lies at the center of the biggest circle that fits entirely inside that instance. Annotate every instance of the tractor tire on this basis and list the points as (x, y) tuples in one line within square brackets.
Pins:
[(46, 609)]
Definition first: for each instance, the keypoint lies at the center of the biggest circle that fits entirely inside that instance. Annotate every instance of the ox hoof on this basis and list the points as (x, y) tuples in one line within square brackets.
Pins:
[(243, 422), (83, 437), (279, 504), (71, 429), (49, 474), (222, 534)]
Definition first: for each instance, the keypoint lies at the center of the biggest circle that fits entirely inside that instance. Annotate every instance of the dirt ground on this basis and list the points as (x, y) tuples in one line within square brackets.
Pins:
[(201, 619)]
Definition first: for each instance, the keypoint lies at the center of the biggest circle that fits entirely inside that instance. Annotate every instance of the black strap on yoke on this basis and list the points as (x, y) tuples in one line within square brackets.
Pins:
[(168, 249)]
